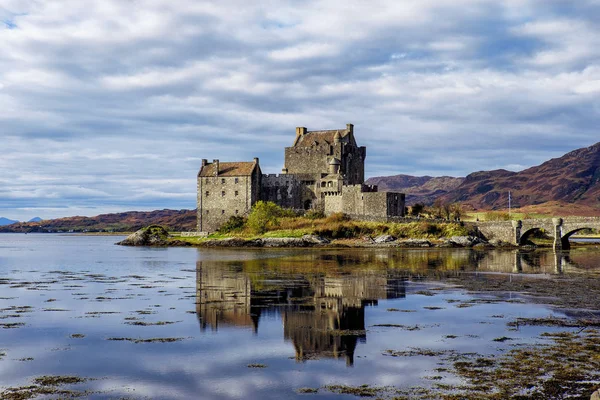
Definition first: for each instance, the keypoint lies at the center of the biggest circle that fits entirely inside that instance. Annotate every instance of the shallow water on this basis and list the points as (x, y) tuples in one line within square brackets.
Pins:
[(178, 323)]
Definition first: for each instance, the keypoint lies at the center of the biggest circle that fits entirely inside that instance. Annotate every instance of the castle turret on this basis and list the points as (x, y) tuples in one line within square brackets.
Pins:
[(334, 166)]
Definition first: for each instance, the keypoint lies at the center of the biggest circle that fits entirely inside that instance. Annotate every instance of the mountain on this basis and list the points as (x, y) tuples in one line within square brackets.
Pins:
[(418, 189), (568, 185), (174, 220), (6, 221), (571, 179), (35, 219)]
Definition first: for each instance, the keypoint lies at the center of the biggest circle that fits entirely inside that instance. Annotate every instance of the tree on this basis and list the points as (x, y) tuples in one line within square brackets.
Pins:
[(264, 214), (456, 211), (417, 209), (438, 208)]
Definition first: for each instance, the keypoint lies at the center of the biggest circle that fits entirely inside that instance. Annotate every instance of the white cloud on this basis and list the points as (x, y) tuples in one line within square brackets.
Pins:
[(112, 104)]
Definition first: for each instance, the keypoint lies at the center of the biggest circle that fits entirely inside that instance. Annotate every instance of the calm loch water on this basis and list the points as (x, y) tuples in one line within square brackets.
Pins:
[(181, 323)]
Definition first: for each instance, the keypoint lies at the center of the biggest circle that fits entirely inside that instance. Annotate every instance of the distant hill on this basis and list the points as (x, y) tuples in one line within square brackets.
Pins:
[(6, 221), (571, 179), (35, 219), (567, 185), (174, 220), (418, 189)]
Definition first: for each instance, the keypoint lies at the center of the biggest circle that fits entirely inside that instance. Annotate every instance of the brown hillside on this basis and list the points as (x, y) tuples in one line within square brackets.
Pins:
[(174, 220), (418, 189), (572, 178)]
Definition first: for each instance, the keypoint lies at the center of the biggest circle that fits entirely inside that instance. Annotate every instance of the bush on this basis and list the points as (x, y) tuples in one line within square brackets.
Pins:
[(234, 223), (264, 215), (314, 214)]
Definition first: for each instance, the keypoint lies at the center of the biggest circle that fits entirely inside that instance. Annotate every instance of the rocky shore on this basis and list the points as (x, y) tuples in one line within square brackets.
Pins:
[(158, 236)]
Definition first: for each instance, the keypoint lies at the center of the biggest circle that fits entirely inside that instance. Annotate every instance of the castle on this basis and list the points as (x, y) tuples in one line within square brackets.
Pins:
[(323, 170)]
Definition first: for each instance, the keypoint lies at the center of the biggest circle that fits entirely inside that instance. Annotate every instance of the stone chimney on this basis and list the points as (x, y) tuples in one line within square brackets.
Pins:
[(300, 130), (204, 162), (216, 162), (256, 160)]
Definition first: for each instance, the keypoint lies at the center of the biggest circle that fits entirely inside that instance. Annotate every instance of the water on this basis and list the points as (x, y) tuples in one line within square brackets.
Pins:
[(179, 323)]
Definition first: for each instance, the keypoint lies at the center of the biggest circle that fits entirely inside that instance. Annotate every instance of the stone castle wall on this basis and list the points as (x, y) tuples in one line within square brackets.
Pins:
[(284, 190), (309, 160), (221, 197), (360, 200)]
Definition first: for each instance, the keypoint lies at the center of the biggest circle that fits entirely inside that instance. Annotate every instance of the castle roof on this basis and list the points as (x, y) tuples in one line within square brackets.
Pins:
[(320, 137), (228, 169)]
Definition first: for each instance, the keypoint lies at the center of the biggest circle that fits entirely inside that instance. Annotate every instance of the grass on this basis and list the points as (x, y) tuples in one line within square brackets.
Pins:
[(501, 216), (337, 226)]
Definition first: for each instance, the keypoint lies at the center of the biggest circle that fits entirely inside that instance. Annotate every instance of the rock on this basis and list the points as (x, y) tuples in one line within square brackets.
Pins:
[(465, 241), (153, 235), (283, 242), (384, 239), (314, 239), (414, 243), (500, 243), (305, 241), (179, 243), (595, 395)]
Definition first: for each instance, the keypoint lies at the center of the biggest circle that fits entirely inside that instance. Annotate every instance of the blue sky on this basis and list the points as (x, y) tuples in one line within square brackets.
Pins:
[(109, 105)]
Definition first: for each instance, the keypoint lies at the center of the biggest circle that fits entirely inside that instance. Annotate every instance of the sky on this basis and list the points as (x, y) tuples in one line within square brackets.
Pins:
[(110, 105)]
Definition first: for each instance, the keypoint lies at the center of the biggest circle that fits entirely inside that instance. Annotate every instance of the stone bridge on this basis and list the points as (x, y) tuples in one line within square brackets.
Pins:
[(518, 232)]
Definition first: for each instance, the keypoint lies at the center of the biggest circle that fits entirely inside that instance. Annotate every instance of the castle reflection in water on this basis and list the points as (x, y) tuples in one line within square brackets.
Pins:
[(321, 296), (323, 316)]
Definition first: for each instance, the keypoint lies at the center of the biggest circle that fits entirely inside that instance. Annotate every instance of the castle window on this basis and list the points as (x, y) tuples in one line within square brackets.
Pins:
[(323, 184), (330, 184), (207, 193), (236, 193), (207, 211), (236, 180), (222, 180), (222, 211), (223, 193), (236, 211)]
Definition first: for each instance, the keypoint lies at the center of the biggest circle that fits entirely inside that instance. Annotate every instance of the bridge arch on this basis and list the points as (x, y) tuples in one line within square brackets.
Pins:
[(566, 245), (527, 234)]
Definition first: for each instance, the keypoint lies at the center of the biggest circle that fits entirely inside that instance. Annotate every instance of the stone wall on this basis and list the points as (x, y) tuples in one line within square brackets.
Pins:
[(284, 190), (308, 160), (221, 197), (360, 202), (499, 230), (353, 164)]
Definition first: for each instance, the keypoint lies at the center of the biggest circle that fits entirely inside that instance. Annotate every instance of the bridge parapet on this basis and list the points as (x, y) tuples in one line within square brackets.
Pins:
[(517, 232)]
